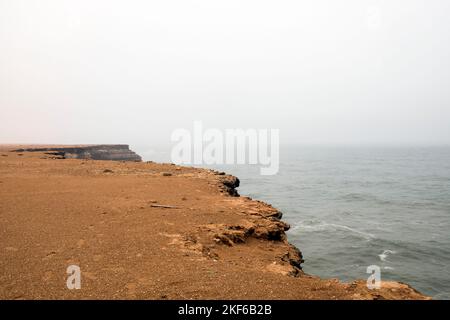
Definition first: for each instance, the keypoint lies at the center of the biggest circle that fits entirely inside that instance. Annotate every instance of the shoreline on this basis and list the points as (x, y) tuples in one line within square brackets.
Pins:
[(210, 242)]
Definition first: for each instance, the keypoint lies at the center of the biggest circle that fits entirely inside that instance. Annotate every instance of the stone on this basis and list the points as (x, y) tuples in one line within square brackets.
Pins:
[(114, 152)]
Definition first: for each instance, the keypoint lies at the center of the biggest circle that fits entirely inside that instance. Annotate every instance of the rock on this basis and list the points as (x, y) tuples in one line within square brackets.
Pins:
[(230, 183), (166, 174), (294, 257), (108, 171), (115, 152)]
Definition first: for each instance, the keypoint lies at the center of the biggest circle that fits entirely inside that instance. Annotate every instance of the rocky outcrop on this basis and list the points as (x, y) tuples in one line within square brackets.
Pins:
[(228, 183), (115, 152)]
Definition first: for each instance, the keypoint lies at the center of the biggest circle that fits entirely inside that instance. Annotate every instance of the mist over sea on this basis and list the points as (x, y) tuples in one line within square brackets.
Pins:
[(352, 207)]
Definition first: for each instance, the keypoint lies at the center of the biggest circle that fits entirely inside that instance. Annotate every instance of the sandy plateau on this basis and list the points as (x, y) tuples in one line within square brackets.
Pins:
[(142, 230)]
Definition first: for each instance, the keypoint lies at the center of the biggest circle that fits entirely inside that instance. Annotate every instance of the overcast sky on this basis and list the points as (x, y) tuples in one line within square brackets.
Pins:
[(322, 71)]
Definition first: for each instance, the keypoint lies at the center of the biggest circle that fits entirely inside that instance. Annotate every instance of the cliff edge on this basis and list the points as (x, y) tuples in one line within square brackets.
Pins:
[(115, 152), (148, 231)]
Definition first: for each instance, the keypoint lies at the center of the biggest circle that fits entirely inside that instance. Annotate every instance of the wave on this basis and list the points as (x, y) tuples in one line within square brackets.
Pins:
[(332, 227), (385, 254)]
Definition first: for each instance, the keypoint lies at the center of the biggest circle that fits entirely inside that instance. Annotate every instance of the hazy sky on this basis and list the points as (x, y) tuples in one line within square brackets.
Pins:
[(322, 71)]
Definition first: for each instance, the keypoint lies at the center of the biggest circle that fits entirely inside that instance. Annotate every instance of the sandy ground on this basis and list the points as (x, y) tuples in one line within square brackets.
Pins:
[(105, 217)]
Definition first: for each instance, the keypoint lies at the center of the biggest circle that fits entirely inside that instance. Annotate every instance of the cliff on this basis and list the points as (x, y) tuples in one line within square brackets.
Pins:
[(115, 152), (148, 231)]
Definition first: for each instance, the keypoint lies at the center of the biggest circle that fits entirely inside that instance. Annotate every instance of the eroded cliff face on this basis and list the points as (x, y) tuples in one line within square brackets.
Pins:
[(115, 152)]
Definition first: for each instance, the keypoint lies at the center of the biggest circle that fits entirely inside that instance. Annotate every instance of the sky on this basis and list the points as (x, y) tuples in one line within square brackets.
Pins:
[(324, 72)]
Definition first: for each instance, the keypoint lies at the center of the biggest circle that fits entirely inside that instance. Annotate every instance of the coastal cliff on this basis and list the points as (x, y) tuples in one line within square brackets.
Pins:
[(115, 152), (142, 230)]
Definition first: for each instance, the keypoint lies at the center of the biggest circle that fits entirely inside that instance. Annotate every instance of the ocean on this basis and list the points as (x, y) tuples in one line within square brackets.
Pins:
[(353, 207)]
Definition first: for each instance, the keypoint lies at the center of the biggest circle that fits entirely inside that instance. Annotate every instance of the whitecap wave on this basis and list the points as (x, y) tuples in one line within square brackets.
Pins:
[(385, 254)]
